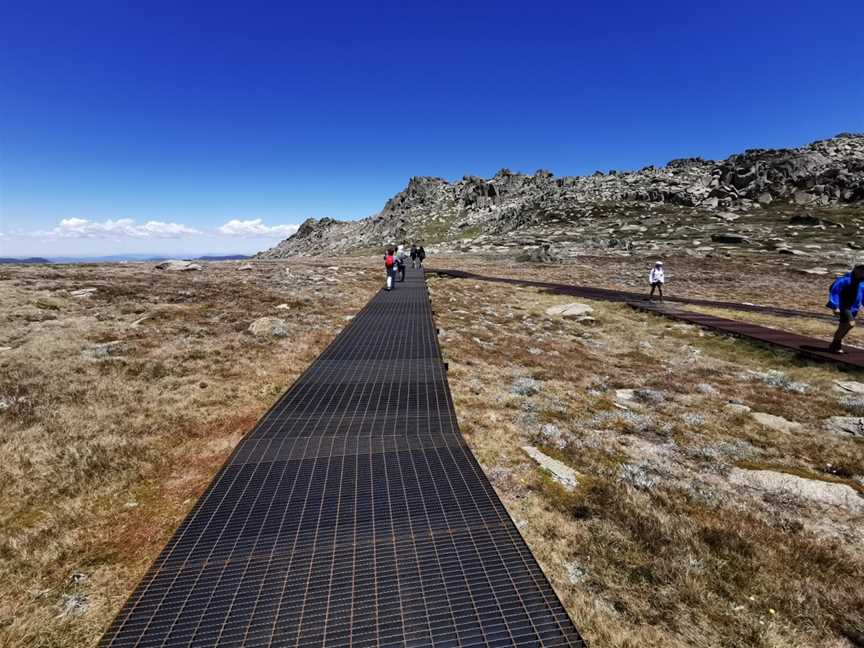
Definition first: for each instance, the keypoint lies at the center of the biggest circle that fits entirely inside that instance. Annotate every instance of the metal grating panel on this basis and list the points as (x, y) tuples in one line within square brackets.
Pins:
[(353, 514)]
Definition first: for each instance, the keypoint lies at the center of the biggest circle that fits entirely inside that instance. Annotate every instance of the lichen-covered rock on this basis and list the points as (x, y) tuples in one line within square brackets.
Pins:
[(823, 492), (849, 386), (845, 425), (561, 472), (175, 265), (269, 327), (777, 423), (574, 311), (525, 386)]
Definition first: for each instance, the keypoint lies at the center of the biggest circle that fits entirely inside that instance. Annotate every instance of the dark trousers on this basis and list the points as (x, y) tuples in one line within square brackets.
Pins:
[(657, 285), (847, 323)]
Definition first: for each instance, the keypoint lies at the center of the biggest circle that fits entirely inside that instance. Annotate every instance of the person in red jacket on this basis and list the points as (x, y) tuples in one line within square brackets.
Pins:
[(390, 266)]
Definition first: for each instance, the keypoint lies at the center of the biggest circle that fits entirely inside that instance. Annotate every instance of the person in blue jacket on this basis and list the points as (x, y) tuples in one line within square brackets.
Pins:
[(844, 298)]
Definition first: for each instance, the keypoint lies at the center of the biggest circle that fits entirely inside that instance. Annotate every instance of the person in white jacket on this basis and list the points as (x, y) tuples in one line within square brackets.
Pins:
[(657, 279)]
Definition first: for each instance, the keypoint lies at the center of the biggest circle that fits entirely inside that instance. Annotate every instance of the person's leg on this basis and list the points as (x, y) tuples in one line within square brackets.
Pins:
[(653, 288), (660, 289), (843, 328)]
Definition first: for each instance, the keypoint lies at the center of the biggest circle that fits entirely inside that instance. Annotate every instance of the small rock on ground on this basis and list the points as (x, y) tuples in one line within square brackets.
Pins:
[(269, 327), (83, 292), (575, 311), (575, 572), (552, 436), (561, 472), (737, 408), (846, 425), (103, 351), (849, 386), (814, 490), (776, 422), (74, 605), (625, 396), (46, 303), (525, 386), (175, 265)]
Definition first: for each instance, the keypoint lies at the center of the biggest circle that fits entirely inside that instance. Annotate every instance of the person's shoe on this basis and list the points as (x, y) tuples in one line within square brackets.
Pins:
[(835, 348)]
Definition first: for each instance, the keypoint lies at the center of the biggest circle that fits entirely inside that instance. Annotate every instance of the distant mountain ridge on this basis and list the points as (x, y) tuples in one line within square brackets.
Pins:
[(824, 174), (118, 258), (28, 260)]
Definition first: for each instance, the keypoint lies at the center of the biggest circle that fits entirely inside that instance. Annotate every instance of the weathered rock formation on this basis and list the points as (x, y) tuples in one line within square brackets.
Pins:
[(823, 174)]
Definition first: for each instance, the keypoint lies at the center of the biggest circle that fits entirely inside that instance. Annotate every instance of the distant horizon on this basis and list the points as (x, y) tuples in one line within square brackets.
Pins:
[(124, 257), (247, 236), (122, 128)]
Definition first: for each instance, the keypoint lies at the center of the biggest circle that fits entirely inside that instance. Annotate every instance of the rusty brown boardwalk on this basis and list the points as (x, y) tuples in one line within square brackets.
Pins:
[(808, 347), (803, 345)]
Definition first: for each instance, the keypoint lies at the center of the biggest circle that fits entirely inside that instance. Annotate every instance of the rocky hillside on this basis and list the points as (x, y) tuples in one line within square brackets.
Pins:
[(654, 207)]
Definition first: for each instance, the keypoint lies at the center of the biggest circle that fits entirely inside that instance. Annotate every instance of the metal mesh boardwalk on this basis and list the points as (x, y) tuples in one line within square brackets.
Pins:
[(353, 514)]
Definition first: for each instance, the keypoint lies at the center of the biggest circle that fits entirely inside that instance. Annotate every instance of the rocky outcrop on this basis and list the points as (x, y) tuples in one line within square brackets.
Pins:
[(430, 209)]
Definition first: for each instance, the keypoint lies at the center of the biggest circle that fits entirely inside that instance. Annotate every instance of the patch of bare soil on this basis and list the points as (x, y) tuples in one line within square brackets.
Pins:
[(117, 406), (694, 522)]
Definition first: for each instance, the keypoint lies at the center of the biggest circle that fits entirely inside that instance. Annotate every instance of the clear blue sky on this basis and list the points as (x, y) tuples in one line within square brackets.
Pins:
[(191, 117)]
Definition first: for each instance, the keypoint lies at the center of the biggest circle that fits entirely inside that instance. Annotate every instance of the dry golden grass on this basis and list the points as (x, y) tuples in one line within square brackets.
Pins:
[(103, 452), (656, 547), (771, 282)]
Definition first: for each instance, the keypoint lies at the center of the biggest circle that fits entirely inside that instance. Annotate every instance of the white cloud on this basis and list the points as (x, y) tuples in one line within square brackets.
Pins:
[(121, 228), (256, 228)]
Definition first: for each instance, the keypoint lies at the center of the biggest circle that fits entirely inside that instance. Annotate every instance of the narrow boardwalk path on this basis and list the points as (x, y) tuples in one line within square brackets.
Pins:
[(353, 514), (607, 294), (803, 345), (809, 347)]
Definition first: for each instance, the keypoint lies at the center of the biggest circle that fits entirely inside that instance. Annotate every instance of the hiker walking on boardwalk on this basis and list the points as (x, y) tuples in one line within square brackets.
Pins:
[(414, 256), (657, 278), (390, 265), (421, 255), (844, 298), (400, 261)]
